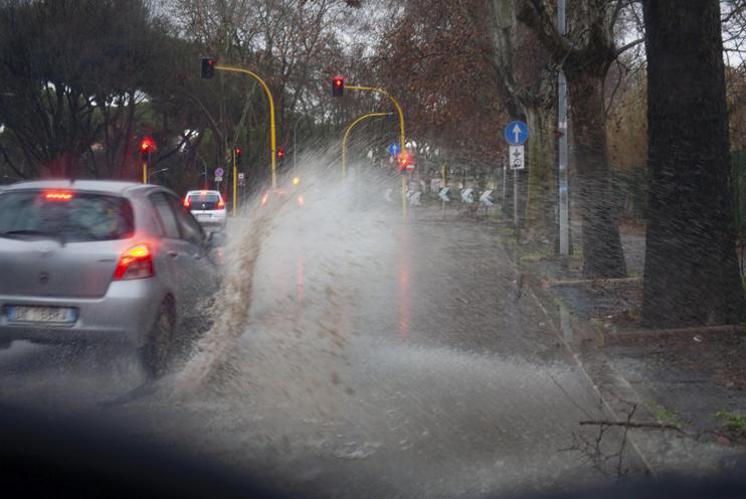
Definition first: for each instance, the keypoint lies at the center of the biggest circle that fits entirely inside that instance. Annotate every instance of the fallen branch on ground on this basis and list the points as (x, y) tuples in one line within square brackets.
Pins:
[(631, 424)]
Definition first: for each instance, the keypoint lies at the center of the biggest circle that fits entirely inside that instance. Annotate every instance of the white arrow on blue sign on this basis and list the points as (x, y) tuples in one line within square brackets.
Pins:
[(394, 149), (516, 133)]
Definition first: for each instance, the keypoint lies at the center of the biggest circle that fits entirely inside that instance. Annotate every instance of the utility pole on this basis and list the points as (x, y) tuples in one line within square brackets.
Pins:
[(564, 208)]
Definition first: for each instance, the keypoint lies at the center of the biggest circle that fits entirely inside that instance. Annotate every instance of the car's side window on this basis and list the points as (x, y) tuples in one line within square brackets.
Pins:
[(190, 228), (165, 215)]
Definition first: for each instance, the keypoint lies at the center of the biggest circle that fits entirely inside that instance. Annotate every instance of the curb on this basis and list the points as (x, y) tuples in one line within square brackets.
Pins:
[(604, 283), (687, 333), (611, 388)]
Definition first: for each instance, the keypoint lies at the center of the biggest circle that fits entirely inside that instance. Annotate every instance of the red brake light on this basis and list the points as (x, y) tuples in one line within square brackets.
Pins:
[(187, 202), (221, 204), (135, 263), (58, 195)]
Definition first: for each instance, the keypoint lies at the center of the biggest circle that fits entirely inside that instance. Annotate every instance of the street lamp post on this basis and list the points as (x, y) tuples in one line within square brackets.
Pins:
[(564, 209)]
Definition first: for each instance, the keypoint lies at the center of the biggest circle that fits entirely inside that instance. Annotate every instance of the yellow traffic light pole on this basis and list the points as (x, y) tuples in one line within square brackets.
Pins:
[(347, 134), (272, 128), (402, 136)]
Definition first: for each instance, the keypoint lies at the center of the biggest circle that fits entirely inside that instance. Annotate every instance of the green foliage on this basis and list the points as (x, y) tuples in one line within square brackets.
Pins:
[(663, 414), (73, 73), (732, 423)]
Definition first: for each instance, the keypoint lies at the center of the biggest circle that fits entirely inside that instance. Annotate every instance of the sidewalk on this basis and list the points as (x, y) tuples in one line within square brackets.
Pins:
[(686, 387)]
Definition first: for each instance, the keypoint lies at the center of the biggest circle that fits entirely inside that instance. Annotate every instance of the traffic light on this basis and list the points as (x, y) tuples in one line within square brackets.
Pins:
[(280, 153), (338, 86), (147, 145), (404, 160), (237, 152), (208, 68)]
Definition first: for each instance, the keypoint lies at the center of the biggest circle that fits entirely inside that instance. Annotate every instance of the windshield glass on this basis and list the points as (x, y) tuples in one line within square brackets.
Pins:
[(207, 201), (75, 216), (463, 248)]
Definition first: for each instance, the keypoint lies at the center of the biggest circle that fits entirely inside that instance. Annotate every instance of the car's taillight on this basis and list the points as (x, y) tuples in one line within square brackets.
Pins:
[(135, 263), (186, 202), (58, 195), (221, 204)]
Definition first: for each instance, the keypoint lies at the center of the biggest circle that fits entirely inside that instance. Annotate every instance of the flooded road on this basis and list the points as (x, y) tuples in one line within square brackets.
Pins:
[(354, 355)]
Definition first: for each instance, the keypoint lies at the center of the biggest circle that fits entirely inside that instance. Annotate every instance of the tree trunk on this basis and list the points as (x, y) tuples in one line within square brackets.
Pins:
[(602, 246), (541, 202), (691, 270)]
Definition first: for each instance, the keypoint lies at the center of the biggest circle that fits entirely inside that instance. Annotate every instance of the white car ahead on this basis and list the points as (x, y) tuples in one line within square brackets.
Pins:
[(207, 207)]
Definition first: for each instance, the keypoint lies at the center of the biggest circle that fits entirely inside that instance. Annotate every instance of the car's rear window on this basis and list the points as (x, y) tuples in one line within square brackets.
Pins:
[(74, 216), (206, 201)]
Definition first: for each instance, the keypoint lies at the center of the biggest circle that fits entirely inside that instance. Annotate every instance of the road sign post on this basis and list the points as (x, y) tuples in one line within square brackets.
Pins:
[(517, 157), (516, 134)]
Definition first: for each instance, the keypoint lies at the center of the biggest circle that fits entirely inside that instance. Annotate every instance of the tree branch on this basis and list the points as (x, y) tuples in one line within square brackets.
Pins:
[(533, 14), (628, 46)]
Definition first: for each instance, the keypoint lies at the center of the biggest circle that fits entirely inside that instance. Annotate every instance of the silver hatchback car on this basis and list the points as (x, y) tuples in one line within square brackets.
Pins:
[(101, 261)]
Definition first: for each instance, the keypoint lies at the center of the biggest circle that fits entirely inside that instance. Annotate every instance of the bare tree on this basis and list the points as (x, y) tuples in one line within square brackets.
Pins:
[(691, 271), (585, 54)]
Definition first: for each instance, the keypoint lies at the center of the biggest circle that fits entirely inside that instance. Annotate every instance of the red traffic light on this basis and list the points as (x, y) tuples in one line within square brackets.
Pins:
[(280, 153), (338, 86), (237, 151), (405, 160), (147, 144), (208, 68)]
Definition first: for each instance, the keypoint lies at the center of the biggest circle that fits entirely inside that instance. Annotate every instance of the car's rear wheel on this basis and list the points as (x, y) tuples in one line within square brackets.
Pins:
[(157, 351)]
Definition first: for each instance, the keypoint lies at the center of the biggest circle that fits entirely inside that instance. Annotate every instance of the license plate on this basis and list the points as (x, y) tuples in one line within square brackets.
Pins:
[(60, 315), (204, 216)]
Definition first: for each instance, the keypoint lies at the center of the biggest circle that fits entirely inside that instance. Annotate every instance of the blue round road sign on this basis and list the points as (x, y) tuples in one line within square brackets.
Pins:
[(516, 133)]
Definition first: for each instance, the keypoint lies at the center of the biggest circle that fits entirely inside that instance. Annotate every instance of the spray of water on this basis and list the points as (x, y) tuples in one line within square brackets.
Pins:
[(282, 319)]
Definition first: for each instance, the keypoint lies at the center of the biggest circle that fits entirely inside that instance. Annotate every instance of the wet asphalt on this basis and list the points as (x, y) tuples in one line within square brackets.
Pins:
[(380, 359)]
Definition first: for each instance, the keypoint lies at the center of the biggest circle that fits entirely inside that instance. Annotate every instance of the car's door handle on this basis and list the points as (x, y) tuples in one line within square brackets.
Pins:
[(172, 254), (197, 256)]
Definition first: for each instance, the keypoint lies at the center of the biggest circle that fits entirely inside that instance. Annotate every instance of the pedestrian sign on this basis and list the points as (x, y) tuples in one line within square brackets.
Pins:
[(516, 133)]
